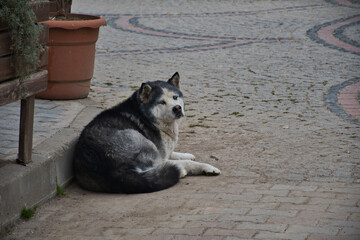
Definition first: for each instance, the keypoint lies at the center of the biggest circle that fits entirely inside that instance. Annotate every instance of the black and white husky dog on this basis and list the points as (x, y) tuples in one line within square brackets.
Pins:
[(130, 147)]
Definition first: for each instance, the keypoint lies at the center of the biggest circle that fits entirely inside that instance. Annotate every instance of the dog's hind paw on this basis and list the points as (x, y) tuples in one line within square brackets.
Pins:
[(183, 172)]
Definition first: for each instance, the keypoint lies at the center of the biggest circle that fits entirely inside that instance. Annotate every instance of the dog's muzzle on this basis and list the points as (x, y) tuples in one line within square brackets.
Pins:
[(177, 110)]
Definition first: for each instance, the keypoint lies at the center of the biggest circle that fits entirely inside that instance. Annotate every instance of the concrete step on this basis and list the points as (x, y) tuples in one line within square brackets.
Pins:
[(36, 183)]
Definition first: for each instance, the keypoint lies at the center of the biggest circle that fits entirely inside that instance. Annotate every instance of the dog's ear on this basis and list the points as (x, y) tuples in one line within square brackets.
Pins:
[(175, 80), (145, 91)]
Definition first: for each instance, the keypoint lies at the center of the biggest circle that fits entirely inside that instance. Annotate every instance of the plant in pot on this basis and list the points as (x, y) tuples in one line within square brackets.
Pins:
[(20, 46), (72, 39)]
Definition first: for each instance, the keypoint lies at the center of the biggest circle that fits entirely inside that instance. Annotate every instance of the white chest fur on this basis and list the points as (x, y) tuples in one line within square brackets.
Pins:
[(169, 136)]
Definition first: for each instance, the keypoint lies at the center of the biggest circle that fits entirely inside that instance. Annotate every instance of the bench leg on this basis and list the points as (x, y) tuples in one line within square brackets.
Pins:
[(26, 130)]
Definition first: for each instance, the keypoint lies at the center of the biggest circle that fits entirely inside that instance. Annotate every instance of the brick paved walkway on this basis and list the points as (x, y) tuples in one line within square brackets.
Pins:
[(272, 93)]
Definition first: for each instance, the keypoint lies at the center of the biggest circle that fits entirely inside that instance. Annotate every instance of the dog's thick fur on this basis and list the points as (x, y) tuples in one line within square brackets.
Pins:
[(130, 147)]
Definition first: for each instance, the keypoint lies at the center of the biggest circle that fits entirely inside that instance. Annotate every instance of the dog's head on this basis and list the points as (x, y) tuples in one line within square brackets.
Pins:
[(162, 102)]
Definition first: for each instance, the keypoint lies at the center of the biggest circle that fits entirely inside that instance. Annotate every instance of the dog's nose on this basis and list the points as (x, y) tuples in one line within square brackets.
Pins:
[(177, 109)]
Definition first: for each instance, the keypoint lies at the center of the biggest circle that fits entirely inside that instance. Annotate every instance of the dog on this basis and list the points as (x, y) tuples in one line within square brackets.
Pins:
[(130, 147)]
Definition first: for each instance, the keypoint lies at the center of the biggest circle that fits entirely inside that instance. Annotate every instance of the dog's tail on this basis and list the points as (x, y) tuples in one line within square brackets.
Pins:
[(154, 179)]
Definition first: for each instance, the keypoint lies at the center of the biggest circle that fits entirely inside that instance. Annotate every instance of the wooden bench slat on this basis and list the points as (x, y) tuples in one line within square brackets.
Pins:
[(12, 90), (7, 70)]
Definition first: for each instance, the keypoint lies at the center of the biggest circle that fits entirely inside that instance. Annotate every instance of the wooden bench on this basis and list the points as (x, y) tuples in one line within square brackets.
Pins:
[(12, 89)]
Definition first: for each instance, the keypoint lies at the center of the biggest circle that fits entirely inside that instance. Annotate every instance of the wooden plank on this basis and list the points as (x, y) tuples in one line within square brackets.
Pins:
[(4, 44), (13, 90), (26, 130), (7, 70), (3, 25), (5, 41), (41, 10), (44, 35)]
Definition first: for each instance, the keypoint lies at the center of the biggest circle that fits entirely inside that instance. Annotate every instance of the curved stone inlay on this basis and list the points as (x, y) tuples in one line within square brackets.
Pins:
[(343, 100), (331, 34), (346, 3), (130, 23)]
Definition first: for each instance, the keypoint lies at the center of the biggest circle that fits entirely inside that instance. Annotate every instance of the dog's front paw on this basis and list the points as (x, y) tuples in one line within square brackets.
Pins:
[(210, 170), (181, 156), (188, 156)]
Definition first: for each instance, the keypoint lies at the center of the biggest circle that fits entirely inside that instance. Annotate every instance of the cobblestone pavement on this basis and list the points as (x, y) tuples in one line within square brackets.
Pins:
[(272, 93)]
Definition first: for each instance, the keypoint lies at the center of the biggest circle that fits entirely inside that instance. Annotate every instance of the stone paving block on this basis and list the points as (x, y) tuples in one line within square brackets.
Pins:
[(227, 232), (242, 197), (337, 202), (266, 212), (264, 227), (200, 217), (294, 187), (209, 203), (326, 179), (9, 153), (354, 217), (227, 224), (186, 231), (6, 132), (343, 209), (307, 229), (350, 190), (9, 137), (122, 231), (295, 200), (323, 195), (12, 118), (323, 215), (255, 205), (4, 143), (272, 235), (342, 173), (46, 116), (239, 219), (350, 231), (219, 210), (244, 174), (340, 224), (177, 224), (306, 221), (205, 196), (294, 206), (280, 193)]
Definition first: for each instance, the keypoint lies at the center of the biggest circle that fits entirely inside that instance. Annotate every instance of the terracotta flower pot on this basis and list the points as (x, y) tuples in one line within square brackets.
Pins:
[(71, 56)]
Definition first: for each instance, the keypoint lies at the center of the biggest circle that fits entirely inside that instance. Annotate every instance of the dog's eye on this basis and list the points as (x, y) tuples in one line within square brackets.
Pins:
[(162, 102), (175, 97)]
